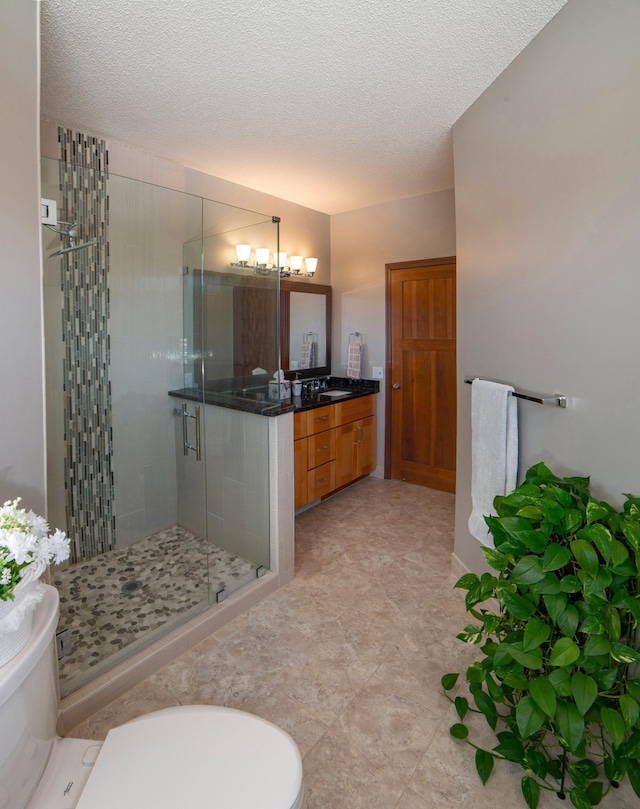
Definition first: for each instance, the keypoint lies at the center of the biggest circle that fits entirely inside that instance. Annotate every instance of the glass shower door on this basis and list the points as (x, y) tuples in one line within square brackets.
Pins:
[(231, 352)]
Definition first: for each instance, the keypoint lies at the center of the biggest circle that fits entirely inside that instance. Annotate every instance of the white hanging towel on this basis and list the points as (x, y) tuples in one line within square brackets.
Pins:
[(494, 451), (305, 354), (354, 360)]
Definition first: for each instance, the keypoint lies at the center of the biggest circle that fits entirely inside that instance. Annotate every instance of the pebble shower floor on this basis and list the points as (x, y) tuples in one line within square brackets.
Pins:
[(128, 596)]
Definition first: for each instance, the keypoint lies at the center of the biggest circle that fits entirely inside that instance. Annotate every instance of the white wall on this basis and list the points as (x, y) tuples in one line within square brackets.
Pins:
[(362, 243), (547, 166), (22, 450)]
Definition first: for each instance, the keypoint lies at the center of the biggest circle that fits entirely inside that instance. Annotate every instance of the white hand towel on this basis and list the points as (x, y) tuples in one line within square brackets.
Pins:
[(305, 354), (494, 451), (354, 360)]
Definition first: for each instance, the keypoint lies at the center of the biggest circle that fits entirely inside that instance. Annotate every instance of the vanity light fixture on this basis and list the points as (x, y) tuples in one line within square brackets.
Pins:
[(263, 267)]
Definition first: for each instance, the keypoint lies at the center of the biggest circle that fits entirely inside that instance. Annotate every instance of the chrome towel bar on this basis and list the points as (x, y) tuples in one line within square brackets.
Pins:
[(557, 399)]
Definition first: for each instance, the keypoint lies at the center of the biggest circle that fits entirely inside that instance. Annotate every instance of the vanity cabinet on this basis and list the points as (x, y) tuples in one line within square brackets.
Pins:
[(334, 445)]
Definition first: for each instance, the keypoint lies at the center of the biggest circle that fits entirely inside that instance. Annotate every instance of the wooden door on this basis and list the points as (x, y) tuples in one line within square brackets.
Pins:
[(421, 378)]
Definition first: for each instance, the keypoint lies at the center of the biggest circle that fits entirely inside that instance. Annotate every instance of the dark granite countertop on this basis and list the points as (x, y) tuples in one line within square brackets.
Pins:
[(250, 401)]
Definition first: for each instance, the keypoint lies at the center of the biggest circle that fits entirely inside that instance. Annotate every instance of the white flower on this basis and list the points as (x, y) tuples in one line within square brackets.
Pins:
[(38, 525), (24, 539), (58, 547), (21, 546)]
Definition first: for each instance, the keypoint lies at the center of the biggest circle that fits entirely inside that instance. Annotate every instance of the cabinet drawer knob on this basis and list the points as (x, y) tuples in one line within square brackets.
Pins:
[(323, 449), (321, 419), (322, 482)]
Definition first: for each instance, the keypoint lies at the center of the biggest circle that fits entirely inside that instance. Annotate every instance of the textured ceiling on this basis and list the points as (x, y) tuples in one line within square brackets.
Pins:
[(335, 104)]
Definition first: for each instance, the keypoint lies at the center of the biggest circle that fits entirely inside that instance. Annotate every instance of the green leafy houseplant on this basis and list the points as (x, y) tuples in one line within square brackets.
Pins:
[(558, 681)]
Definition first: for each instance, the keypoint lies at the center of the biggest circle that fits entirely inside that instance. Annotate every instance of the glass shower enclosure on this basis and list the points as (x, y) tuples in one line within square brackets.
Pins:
[(159, 531)]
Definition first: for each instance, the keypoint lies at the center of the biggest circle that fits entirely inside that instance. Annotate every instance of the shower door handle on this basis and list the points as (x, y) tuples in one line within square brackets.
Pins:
[(185, 434)]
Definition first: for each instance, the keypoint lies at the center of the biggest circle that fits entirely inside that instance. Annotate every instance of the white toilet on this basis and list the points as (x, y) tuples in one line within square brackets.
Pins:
[(189, 756)]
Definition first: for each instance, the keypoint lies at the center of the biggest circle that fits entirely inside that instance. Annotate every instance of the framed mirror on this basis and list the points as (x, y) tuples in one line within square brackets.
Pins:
[(305, 317)]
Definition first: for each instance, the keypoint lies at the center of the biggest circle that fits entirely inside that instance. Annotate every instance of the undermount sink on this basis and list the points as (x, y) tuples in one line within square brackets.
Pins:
[(334, 393)]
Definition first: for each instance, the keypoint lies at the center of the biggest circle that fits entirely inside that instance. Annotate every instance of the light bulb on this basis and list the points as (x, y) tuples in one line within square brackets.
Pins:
[(262, 255), (243, 251), (296, 263), (311, 264), (280, 259)]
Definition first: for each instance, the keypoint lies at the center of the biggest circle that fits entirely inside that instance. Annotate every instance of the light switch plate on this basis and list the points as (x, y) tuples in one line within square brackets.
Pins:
[(377, 371)]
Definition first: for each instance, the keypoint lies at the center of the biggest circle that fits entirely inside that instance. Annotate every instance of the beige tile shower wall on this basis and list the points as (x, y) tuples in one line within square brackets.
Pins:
[(147, 231)]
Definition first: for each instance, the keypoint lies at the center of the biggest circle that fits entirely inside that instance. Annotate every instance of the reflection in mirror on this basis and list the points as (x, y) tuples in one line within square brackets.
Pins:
[(307, 331)]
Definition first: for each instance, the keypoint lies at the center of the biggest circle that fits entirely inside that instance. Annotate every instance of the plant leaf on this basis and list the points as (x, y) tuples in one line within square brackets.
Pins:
[(619, 554), (584, 691), (594, 791), (624, 654), (555, 557), (564, 653), (448, 681), (467, 581), (530, 660), (595, 511), (475, 673), (497, 560), (596, 646), (570, 584), (556, 605), (544, 695), (462, 706), (585, 555), (486, 705), (579, 799), (549, 584), (553, 512), (601, 538), (633, 687), (570, 725), (561, 682), (614, 723), (527, 571), (629, 709), (517, 605), (459, 731), (536, 633), (484, 764), (510, 747), (568, 621), (605, 678), (531, 791), (633, 771), (529, 717)]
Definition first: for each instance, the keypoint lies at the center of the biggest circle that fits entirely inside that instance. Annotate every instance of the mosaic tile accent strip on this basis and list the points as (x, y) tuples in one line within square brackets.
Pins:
[(125, 599), (88, 440)]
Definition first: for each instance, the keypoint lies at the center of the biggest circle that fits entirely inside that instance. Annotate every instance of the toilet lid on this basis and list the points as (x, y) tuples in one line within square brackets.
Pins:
[(195, 756)]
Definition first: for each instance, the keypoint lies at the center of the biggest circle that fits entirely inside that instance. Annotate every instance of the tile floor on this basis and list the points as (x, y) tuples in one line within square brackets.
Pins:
[(348, 659)]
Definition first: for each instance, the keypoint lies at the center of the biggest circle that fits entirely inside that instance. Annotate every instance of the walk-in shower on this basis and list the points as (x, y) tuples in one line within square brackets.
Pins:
[(157, 535)]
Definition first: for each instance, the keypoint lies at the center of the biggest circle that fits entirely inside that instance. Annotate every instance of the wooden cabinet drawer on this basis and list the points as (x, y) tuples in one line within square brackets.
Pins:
[(320, 419), (322, 480), (322, 448), (355, 409)]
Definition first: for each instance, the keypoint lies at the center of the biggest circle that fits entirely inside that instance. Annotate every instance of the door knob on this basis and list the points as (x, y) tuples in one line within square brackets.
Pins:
[(396, 386)]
